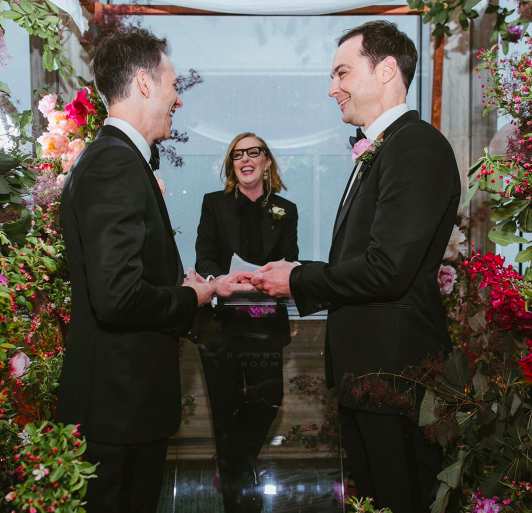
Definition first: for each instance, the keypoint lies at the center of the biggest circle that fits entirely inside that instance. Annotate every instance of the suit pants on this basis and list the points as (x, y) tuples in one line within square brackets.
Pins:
[(390, 459), (245, 388), (129, 477)]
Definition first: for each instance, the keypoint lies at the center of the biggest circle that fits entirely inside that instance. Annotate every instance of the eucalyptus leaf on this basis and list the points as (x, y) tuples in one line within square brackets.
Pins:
[(442, 499), (481, 384), (470, 4), (516, 404), (451, 474), (470, 194), (426, 412)]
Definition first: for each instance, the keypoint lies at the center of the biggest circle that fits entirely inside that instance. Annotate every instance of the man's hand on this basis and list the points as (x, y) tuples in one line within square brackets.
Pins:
[(274, 278), (203, 289), (226, 285)]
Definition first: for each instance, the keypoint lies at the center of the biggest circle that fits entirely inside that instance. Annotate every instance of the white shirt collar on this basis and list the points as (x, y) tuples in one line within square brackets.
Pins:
[(385, 120), (133, 134)]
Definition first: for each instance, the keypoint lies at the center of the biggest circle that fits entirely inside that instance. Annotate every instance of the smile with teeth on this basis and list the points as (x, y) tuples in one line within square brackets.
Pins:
[(248, 169), (344, 101)]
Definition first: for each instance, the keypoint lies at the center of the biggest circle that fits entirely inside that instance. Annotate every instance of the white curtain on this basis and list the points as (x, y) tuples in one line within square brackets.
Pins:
[(269, 7), (261, 7)]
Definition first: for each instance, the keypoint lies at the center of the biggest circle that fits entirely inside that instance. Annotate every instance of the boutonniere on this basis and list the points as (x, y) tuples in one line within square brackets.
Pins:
[(364, 149), (277, 213)]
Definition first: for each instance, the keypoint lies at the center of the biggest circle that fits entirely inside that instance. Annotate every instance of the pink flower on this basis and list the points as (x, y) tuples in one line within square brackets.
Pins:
[(487, 505), (456, 245), (59, 122), (53, 144), (60, 180), (11, 496), (360, 148), (3, 280), (75, 147), (19, 364), (446, 278), (47, 104), (80, 107)]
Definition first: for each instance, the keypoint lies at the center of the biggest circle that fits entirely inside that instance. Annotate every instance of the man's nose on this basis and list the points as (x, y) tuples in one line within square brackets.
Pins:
[(333, 90), (178, 102)]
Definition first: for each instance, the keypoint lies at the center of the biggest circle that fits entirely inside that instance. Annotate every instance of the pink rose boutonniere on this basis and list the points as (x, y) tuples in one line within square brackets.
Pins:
[(364, 149), (80, 107)]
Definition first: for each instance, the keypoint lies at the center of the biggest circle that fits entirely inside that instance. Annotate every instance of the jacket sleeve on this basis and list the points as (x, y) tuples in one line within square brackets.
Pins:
[(207, 248), (110, 200), (289, 249), (416, 186)]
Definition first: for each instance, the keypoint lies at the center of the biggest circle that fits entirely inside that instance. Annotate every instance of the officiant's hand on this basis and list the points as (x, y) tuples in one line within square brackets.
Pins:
[(204, 290), (274, 278), (237, 281)]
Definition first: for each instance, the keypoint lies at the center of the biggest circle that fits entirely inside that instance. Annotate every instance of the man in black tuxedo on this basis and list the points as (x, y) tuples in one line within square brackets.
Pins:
[(130, 301), (380, 284)]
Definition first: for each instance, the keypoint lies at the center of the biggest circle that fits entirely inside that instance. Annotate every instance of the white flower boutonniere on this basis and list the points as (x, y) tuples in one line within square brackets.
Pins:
[(277, 213)]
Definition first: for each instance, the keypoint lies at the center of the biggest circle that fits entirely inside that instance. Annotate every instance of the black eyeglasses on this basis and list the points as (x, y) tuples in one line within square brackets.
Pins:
[(252, 152)]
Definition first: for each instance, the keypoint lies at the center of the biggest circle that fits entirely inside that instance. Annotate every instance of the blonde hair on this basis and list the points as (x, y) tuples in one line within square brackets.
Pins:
[(229, 170)]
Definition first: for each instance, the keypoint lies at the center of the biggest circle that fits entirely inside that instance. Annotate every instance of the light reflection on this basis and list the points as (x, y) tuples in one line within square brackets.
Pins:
[(270, 489)]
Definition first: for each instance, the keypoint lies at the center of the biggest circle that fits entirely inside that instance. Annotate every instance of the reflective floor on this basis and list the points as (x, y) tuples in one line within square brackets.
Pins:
[(299, 467)]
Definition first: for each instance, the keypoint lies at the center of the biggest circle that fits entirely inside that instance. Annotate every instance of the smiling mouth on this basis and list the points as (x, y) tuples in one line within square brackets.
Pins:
[(344, 101), (247, 170)]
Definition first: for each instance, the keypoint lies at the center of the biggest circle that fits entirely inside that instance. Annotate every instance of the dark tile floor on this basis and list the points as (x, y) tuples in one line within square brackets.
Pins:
[(299, 488)]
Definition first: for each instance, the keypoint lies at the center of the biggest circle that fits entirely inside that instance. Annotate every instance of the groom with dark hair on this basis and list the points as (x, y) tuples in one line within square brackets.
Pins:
[(130, 301), (380, 284)]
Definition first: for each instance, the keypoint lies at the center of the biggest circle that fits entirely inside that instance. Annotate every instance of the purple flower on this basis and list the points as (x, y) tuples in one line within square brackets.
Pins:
[(514, 34), (486, 505), (261, 311), (3, 280)]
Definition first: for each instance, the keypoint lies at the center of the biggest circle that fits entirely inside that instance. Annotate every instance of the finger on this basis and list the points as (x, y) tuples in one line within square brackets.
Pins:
[(256, 280), (200, 278), (268, 267), (240, 287)]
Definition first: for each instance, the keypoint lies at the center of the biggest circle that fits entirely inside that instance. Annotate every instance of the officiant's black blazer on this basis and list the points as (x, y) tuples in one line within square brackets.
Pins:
[(380, 284), (120, 377)]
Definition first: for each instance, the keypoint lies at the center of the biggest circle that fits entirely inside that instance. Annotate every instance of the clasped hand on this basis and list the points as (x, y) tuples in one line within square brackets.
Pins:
[(272, 279)]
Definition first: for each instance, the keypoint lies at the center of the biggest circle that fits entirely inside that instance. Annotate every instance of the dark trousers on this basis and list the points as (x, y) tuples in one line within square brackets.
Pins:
[(245, 392), (390, 460), (129, 477)]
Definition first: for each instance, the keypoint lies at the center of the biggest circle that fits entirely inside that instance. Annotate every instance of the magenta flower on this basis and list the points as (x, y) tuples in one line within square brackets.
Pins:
[(80, 108), (3, 280)]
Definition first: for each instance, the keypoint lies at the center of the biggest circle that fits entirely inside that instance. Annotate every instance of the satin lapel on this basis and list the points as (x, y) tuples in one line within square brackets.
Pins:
[(112, 131), (115, 132), (367, 166), (231, 221), (342, 200), (269, 236)]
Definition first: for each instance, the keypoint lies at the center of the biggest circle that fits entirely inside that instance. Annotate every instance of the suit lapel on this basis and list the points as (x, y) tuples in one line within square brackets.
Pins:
[(231, 221), (366, 168), (115, 132), (109, 130), (269, 236)]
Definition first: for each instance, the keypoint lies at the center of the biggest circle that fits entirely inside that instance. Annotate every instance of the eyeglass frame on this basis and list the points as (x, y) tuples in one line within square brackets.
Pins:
[(246, 151)]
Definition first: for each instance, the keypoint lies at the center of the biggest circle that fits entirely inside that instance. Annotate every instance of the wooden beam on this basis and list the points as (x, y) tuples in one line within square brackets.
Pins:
[(173, 10), (437, 81)]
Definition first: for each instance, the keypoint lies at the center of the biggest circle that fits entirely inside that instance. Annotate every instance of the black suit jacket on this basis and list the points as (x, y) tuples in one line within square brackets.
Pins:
[(219, 237), (380, 285), (120, 378)]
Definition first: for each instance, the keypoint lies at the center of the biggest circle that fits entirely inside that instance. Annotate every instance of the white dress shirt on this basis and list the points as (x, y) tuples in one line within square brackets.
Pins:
[(133, 134), (378, 126)]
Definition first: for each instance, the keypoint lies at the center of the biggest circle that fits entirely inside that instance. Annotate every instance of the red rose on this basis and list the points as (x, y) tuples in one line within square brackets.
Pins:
[(526, 365), (80, 107)]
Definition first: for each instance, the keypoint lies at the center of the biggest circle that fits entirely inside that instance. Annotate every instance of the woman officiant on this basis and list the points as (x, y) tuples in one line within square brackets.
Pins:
[(241, 347)]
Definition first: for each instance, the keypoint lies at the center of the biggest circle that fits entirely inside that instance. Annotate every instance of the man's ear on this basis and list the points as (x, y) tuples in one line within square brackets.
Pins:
[(143, 82), (388, 69)]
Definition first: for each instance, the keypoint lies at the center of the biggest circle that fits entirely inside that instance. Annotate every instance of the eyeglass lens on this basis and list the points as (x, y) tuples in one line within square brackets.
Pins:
[(252, 152)]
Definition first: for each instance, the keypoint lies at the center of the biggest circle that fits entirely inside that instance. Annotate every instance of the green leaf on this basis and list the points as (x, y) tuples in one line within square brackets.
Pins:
[(470, 194), (4, 88), (4, 186), (30, 429), (442, 499), (8, 162), (510, 210), (57, 473), (525, 220), (451, 474), (504, 238), (426, 412), (457, 369), (481, 384), (470, 4), (516, 404), (524, 256), (441, 17)]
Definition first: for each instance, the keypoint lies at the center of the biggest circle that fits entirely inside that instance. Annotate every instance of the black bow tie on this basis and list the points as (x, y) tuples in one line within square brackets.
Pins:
[(360, 135), (155, 159)]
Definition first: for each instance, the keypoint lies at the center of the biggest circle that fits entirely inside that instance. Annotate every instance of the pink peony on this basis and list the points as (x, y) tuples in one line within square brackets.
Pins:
[(75, 147), (446, 278), (53, 144), (456, 245), (80, 107), (47, 104), (58, 122), (360, 148), (19, 364)]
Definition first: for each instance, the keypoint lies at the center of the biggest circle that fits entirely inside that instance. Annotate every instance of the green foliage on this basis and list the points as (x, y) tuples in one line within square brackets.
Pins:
[(364, 505), (50, 470), (42, 19)]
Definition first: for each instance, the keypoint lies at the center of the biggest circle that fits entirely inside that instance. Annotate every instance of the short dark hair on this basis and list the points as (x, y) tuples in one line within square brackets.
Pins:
[(381, 39), (120, 55)]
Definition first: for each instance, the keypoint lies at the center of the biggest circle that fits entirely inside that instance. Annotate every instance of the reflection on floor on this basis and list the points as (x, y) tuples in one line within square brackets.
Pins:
[(293, 486)]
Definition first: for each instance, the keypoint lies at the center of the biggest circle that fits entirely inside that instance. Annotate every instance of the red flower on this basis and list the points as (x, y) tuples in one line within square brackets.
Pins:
[(526, 365), (80, 108)]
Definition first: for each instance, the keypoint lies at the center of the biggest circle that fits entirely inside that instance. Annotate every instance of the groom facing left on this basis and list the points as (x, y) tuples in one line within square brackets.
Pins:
[(130, 301)]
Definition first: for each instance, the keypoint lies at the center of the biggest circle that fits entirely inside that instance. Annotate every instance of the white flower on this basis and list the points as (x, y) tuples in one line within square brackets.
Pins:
[(455, 245), (278, 211), (40, 472)]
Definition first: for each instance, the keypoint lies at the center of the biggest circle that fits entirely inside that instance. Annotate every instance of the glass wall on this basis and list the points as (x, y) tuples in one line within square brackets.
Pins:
[(268, 75)]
